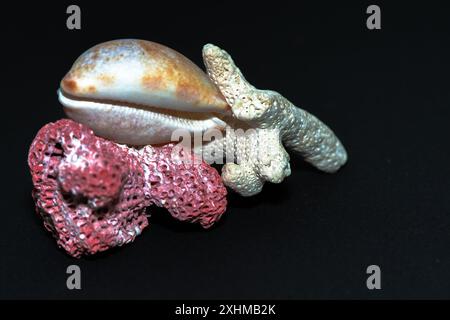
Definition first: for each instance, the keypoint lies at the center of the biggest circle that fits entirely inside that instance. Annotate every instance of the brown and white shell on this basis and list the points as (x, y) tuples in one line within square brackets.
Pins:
[(138, 92)]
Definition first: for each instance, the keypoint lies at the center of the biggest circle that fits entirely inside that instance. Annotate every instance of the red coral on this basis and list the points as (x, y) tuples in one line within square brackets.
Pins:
[(92, 193), (190, 189)]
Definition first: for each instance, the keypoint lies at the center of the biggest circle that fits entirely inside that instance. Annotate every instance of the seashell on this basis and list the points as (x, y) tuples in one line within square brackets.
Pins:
[(138, 92)]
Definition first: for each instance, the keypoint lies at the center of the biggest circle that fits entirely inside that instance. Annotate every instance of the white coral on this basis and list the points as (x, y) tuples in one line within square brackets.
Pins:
[(275, 121)]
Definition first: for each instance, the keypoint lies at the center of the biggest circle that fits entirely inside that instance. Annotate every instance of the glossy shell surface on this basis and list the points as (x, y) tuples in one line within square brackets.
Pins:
[(138, 92)]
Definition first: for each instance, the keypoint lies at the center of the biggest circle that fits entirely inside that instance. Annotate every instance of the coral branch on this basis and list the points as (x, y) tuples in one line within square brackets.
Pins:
[(276, 122), (92, 193)]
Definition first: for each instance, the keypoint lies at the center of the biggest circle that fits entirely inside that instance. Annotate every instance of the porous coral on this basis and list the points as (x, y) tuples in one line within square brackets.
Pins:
[(92, 194)]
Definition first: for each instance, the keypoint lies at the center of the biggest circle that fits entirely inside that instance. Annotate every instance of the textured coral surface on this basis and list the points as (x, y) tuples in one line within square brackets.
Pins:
[(277, 123), (92, 194)]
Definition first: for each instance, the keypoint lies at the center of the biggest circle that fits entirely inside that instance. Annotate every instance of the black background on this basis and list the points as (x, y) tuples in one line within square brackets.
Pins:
[(384, 92)]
